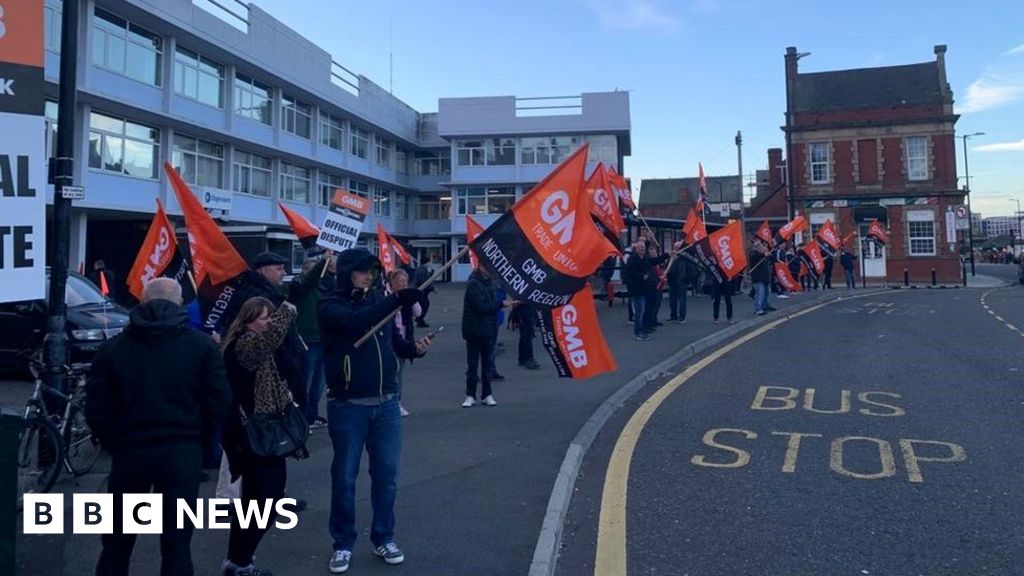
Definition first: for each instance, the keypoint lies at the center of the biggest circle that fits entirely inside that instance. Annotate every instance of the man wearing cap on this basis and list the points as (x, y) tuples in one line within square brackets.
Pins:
[(362, 400)]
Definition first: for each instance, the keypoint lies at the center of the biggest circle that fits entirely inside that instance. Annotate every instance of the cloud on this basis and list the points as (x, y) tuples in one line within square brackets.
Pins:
[(992, 90), (632, 15), (1017, 50), (1002, 147)]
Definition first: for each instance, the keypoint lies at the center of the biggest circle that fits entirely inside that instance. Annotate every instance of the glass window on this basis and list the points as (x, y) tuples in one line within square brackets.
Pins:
[(819, 162), (501, 151), (123, 147), (296, 117), (383, 152), (921, 232), (295, 183), (51, 27), (330, 131), (381, 201), (254, 174), (360, 142), (470, 201), (51, 128), (433, 207), (199, 162), (431, 163), (401, 161), (402, 206), (603, 148), (917, 157), (253, 100), (198, 78), (500, 199), (125, 48), (328, 184), (470, 152), (358, 187)]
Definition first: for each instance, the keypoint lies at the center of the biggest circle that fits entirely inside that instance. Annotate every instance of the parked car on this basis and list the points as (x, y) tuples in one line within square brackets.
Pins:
[(92, 319)]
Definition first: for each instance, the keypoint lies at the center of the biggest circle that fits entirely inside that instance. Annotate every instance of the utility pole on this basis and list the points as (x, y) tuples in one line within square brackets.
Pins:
[(56, 337), (967, 190), (739, 163)]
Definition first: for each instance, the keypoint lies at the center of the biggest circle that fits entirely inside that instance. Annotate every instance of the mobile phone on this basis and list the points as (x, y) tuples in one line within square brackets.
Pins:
[(435, 332)]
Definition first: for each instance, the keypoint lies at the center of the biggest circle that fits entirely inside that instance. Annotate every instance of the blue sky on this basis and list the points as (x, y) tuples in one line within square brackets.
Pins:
[(697, 70)]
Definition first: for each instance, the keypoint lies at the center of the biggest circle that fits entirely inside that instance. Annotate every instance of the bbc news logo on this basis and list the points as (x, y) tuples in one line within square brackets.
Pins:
[(144, 513)]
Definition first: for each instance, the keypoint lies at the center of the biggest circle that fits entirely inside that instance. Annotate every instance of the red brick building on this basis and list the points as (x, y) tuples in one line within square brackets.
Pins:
[(873, 143)]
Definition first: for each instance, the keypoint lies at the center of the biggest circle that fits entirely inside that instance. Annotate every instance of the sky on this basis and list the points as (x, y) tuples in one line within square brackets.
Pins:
[(697, 71)]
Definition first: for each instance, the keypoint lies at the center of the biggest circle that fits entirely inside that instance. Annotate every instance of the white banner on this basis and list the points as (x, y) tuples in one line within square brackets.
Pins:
[(340, 230), (22, 208)]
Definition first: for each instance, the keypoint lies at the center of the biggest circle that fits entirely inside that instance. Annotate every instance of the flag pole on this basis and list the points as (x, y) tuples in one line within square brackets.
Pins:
[(422, 286), (647, 226)]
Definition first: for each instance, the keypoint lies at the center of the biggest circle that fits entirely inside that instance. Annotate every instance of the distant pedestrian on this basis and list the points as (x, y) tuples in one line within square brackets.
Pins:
[(423, 273), (678, 277), (152, 391), (721, 290), (655, 285), (827, 278), (759, 265), (480, 307), (846, 260)]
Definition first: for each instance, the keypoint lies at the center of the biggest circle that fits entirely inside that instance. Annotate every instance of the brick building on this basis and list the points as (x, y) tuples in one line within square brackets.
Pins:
[(872, 143), (672, 197)]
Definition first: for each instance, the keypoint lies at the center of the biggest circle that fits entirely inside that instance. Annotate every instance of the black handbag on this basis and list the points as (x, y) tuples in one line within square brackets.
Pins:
[(275, 435)]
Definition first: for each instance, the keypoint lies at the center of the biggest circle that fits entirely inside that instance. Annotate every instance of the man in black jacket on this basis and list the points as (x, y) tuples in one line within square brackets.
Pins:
[(152, 391), (678, 279), (480, 306), (759, 264), (362, 407)]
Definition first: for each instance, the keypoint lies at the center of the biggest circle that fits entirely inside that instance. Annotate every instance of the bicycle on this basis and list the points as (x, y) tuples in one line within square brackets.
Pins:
[(47, 440)]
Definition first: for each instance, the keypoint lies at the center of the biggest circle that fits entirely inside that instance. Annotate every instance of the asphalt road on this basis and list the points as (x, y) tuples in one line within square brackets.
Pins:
[(876, 435)]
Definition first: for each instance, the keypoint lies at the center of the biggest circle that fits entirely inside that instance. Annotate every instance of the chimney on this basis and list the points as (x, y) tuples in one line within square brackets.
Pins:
[(775, 168), (940, 63)]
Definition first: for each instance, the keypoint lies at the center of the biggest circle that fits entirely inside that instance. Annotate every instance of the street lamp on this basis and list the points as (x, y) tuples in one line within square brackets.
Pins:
[(967, 187)]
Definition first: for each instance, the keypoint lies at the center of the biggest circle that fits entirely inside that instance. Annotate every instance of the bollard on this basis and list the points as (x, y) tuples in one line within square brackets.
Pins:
[(963, 265), (933, 276), (906, 277), (10, 426)]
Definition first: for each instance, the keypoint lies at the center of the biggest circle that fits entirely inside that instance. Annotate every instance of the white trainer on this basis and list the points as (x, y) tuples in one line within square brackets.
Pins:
[(468, 402)]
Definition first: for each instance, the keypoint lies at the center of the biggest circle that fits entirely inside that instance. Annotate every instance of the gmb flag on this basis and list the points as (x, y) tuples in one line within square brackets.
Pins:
[(828, 239), (304, 231), (605, 206), (572, 336), (795, 225), (543, 250), (877, 232), (159, 257), (473, 229)]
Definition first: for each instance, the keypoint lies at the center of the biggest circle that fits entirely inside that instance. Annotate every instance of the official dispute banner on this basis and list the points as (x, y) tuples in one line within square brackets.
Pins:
[(22, 152), (344, 221), (572, 336)]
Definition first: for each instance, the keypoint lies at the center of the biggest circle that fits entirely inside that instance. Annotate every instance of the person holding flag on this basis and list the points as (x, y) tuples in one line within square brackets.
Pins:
[(305, 292), (846, 259), (760, 269)]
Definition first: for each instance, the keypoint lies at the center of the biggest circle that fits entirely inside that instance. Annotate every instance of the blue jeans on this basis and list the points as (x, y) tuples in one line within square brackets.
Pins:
[(760, 296), (638, 302), (379, 429), (315, 379), (677, 301), (851, 282)]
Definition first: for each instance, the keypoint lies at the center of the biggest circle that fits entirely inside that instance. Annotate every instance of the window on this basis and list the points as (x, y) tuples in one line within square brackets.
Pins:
[(360, 142), (296, 117), (819, 163), (125, 48), (437, 163), (51, 129), (479, 200), (433, 208), (547, 150), (470, 152), (253, 174), (402, 206), (294, 183), (401, 161), (51, 27), (921, 232), (252, 99), (199, 162), (328, 184), (917, 157), (501, 152), (603, 149), (381, 201), (123, 147), (359, 188), (330, 131), (383, 152), (199, 78)]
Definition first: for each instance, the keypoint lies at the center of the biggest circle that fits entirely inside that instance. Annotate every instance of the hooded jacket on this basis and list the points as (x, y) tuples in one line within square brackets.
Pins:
[(157, 381), (480, 307), (370, 371)]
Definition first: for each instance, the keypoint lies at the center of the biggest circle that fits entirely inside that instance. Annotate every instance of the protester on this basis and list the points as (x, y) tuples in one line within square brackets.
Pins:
[(257, 332), (655, 284), (423, 273), (398, 279), (480, 306), (678, 277), (362, 407), (636, 271), (152, 391), (718, 291), (826, 283), (523, 318), (759, 264), (305, 293), (846, 260)]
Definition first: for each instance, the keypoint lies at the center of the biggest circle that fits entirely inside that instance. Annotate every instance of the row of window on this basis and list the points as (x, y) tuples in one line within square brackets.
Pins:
[(533, 150), (915, 151), (920, 230)]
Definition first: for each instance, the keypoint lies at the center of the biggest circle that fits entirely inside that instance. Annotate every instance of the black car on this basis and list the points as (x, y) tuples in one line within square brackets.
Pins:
[(92, 319)]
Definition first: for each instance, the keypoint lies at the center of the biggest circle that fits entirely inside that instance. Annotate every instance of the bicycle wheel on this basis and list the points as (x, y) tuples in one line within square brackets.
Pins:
[(39, 456), (80, 448)]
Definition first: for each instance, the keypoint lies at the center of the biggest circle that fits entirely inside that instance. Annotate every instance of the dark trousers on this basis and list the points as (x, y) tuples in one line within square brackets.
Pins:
[(262, 479), (425, 305), (638, 309), (170, 469), (653, 307), (479, 357), (718, 291), (827, 280), (526, 334), (677, 301)]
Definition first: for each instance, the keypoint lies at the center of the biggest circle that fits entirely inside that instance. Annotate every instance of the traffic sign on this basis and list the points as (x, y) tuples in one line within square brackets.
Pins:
[(73, 192)]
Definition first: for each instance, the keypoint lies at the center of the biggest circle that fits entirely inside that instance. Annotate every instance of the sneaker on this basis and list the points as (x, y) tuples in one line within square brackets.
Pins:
[(488, 401), (759, 312), (640, 337), (339, 561), (229, 568), (468, 402), (389, 552), (402, 411), (783, 296), (496, 376), (319, 422)]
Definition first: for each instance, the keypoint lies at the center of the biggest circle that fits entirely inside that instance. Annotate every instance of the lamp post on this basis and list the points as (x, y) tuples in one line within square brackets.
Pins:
[(967, 188)]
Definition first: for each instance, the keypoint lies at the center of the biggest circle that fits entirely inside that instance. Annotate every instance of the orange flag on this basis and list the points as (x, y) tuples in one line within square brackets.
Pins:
[(727, 245), (813, 252), (828, 235), (797, 224), (306, 232), (384, 251), (786, 279), (212, 252), (399, 250), (877, 231), (159, 251), (572, 336), (472, 231), (765, 233), (621, 188), (606, 205), (693, 229)]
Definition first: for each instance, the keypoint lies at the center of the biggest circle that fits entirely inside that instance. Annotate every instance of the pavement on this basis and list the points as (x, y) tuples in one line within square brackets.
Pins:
[(475, 484)]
